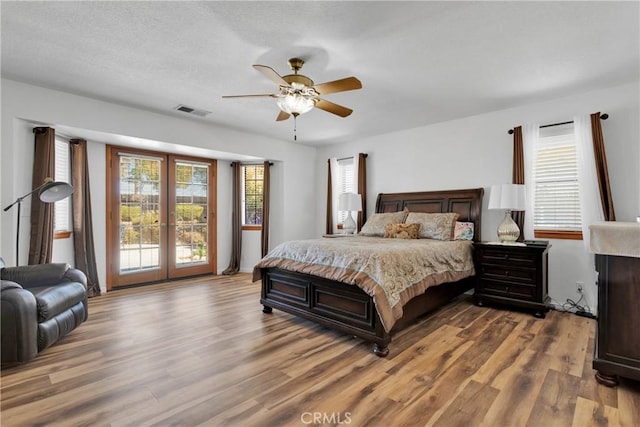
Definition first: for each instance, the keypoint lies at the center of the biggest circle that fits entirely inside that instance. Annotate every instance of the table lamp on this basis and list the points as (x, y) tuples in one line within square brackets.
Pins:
[(510, 197)]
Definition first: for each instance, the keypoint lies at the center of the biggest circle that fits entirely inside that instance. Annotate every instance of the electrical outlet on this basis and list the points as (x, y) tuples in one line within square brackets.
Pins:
[(579, 287)]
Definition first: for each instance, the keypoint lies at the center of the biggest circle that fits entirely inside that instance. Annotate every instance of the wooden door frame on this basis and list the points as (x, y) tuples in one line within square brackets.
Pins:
[(210, 267), (113, 217)]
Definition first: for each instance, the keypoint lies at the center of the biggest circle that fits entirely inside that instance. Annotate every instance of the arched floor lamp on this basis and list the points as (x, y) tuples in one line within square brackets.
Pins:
[(48, 192)]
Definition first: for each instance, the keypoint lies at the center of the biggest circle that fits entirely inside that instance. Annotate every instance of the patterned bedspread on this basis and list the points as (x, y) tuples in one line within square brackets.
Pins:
[(392, 271)]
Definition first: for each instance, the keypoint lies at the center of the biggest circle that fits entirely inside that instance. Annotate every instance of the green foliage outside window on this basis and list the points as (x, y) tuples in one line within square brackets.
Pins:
[(253, 188)]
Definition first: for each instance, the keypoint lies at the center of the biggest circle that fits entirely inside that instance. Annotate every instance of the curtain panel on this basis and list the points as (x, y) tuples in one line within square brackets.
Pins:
[(361, 178), (602, 171), (590, 207), (236, 221), (266, 195), (83, 244), (329, 220), (530, 135), (518, 174), (41, 242)]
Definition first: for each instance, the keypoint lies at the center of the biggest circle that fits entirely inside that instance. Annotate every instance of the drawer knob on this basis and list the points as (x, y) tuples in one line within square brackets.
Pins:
[(505, 256)]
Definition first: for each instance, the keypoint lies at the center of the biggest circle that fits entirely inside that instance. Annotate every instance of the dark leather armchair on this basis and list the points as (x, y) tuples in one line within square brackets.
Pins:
[(40, 304)]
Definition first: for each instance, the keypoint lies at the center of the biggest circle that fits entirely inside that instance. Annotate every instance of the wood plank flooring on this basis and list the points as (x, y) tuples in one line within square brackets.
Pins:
[(201, 352)]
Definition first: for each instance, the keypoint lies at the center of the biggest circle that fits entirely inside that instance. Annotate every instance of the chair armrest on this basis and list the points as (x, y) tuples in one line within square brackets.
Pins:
[(8, 284), (29, 276), (19, 323), (75, 275)]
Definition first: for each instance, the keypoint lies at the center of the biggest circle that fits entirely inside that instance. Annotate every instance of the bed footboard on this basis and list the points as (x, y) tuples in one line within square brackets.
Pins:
[(338, 306), (347, 308)]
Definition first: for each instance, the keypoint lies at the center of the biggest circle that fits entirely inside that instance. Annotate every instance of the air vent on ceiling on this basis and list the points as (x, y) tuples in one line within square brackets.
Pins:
[(191, 110)]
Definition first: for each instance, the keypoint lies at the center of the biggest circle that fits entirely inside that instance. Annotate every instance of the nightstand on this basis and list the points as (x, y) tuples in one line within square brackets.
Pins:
[(512, 275)]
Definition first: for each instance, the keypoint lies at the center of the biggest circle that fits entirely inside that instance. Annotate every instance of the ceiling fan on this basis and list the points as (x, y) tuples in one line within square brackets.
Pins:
[(297, 93)]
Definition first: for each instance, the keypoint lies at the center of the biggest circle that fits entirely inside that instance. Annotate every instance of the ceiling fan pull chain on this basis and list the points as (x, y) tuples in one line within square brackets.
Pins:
[(295, 128)]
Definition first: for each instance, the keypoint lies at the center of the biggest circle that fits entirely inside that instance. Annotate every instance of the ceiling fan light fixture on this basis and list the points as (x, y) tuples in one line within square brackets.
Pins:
[(297, 94), (295, 104)]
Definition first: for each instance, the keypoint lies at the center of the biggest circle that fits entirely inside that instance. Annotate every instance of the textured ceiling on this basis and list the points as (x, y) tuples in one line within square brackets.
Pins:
[(419, 62)]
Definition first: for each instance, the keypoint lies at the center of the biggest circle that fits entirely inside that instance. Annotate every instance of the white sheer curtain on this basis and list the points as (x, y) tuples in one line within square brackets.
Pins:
[(530, 136), (356, 166), (590, 206)]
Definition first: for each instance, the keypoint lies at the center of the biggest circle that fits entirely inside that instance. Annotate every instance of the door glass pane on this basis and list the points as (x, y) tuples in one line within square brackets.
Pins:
[(139, 214), (191, 213)]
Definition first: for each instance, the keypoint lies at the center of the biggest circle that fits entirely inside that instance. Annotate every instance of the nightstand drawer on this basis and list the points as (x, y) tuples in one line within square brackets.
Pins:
[(525, 276), (512, 259), (499, 288)]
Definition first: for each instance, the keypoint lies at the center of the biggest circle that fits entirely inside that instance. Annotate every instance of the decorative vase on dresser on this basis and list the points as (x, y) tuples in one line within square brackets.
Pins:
[(616, 246)]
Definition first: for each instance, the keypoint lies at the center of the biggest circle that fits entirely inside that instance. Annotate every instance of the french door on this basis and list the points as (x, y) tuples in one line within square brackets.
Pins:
[(160, 216)]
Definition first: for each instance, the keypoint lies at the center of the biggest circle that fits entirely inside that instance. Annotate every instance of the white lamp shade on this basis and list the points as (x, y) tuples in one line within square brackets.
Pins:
[(349, 202), (510, 197)]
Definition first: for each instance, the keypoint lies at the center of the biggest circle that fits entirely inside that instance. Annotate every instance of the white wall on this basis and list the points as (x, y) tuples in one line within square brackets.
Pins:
[(470, 152), (24, 106), (477, 152)]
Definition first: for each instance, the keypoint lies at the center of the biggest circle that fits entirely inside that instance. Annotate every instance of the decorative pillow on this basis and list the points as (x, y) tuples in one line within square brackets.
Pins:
[(463, 231), (375, 225), (402, 231), (438, 226)]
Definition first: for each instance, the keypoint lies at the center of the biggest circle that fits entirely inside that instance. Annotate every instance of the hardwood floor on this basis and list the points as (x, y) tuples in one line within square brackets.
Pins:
[(201, 352)]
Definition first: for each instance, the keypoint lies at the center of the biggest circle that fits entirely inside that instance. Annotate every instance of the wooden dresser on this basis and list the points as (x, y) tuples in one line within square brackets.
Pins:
[(618, 342), (616, 246), (512, 275)]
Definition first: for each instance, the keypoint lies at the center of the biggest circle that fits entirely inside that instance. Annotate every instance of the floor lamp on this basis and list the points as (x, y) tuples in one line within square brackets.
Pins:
[(48, 192)]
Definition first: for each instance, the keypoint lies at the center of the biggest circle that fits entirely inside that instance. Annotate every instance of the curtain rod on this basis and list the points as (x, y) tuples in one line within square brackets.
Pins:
[(251, 164), (352, 157), (604, 116)]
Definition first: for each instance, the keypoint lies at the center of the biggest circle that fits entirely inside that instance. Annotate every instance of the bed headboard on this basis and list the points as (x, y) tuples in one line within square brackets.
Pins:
[(466, 203)]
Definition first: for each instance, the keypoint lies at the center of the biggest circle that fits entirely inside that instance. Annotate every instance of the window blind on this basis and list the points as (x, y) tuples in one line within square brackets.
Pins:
[(253, 180), (345, 181), (557, 201), (61, 208)]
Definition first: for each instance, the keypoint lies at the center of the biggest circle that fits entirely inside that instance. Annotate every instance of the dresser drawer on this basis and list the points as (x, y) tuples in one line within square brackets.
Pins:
[(496, 287), (513, 259), (526, 276)]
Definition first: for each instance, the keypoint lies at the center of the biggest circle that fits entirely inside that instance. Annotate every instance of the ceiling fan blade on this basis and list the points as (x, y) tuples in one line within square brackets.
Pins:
[(269, 95), (282, 116), (349, 83), (330, 107), (271, 74)]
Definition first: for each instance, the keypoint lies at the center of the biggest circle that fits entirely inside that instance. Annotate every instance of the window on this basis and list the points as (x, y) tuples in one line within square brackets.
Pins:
[(62, 217), (252, 182), (345, 181), (556, 199)]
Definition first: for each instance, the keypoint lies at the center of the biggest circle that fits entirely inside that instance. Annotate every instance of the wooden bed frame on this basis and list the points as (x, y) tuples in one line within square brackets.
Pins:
[(347, 308)]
